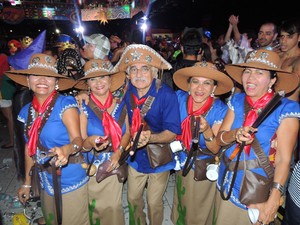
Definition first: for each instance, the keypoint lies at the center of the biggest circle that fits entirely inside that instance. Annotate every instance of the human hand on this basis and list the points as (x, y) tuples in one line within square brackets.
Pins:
[(243, 135), (267, 211), (99, 142), (233, 20), (114, 161), (144, 138), (203, 124), (61, 156), (82, 96), (23, 193)]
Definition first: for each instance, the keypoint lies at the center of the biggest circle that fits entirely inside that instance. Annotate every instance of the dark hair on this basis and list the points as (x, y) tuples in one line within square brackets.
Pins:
[(270, 23), (273, 74), (291, 26), (207, 53), (191, 42)]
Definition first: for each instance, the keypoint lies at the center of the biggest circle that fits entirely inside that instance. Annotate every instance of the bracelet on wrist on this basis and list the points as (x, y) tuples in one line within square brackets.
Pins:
[(76, 148), (279, 187), (86, 149), (210, 139), (221, 138), (120, 148), (25, 186)]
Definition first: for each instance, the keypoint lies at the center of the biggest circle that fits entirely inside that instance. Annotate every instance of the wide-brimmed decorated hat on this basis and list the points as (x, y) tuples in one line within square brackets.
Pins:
[(265, 60), (138, 53), (40, 65), (98, 68), (203, 69)]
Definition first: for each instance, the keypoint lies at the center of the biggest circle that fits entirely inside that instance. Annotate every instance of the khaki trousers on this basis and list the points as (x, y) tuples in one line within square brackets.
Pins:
[(105, 201), (193, 201), (74, 207), (156, 187), (228, 213)]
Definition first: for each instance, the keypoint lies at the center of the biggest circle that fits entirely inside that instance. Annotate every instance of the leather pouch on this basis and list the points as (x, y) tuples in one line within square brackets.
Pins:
[(121, 172), (255, 188), (200, 168), (159, 154)]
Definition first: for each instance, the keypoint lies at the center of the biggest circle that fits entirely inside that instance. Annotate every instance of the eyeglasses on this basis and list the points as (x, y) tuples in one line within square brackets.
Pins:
[(144, 70)]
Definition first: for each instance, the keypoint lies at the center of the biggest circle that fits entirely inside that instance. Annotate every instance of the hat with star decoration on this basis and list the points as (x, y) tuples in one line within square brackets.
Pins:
[(139, 53)]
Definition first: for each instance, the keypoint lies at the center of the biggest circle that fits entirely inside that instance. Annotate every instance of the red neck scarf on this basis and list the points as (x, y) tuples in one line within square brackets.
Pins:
[(186, 136), (111, 127), (256, 107), (136, 116), (33, 132)]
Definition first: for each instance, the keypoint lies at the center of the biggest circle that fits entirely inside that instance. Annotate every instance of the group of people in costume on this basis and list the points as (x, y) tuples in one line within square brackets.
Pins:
[(70, 140)]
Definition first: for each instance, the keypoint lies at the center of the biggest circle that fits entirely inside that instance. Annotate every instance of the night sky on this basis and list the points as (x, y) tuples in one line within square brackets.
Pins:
[(173, 14)]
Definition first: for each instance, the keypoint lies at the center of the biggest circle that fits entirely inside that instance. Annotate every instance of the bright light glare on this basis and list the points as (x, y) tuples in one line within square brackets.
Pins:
[(144, 26), (79, 29), (57, 31)]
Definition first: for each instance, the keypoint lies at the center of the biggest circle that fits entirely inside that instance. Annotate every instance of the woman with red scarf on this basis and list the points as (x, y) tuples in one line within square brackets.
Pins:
[(53, 142), (265, 158), (194, 194), (105, 128)]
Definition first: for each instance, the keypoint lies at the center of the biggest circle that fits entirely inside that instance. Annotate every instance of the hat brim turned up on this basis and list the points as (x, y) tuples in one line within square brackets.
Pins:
[(20, 77), (117, 80), (181, 76), (285, 80)]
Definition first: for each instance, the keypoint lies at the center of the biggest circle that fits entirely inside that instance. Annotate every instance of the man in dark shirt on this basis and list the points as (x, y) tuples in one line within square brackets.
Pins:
[(190, 45)]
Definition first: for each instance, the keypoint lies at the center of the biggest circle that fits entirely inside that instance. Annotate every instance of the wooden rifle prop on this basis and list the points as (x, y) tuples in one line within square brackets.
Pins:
[(192, 155), (272, 104), (56, 174), (133, 148)]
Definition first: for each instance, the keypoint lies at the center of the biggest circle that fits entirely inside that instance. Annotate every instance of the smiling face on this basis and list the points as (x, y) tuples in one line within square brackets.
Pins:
[(42, 86), (200, 89), (100, 86), (256, 82)]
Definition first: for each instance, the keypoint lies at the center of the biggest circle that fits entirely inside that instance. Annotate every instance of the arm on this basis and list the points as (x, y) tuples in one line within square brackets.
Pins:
[(71, 120), (286, 141), (24, 190), (226, 136), (82, 96), (165, 136), (234, 20), (90, 141), (210, 139)]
